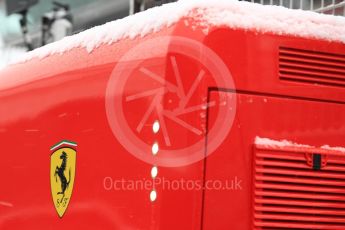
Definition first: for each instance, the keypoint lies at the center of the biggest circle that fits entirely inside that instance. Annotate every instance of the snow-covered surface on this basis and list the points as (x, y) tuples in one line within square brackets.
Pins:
[(341, 149), (285, 143), (281, 143), (209, 13)]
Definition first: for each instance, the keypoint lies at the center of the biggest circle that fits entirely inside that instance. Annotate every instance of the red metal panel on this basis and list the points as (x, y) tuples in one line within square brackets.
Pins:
[(63, 97), (285, 187)]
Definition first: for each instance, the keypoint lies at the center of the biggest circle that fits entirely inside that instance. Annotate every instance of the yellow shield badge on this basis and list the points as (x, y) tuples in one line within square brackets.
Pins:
[(62, 174)]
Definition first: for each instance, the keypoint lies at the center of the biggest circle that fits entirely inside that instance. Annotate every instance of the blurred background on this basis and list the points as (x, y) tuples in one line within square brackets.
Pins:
[(29, 24)]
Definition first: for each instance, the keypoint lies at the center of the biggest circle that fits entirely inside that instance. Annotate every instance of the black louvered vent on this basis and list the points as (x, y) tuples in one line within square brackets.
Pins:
[(306, 66)]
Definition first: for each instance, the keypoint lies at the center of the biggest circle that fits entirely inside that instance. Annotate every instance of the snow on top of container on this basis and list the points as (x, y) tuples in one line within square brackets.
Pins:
[(209, 13), (340, 149), (285, 143), (281, 143)]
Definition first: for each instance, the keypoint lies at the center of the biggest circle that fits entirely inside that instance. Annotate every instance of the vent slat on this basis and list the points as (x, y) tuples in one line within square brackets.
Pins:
[(315, 62), (301, 165), (295, 157), (307, 196), (299, 188), (313, 54), (306, 210), (275, 155), (295, 172), (311, 67), (300, 180), (292, 70), (290, 194), (288, 225), (300, 218), (297, 165), (303, 203)]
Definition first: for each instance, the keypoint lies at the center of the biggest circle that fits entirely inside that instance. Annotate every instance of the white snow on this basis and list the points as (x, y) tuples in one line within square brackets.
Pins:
[(281, 143), (285, 143), (208, 14), (340, 149)]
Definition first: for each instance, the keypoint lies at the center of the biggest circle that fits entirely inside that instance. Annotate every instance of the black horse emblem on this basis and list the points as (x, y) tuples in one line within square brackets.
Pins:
[(60, 172)]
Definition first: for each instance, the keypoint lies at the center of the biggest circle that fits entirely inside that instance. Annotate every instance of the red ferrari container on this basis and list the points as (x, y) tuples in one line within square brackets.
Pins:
[(185, 116)]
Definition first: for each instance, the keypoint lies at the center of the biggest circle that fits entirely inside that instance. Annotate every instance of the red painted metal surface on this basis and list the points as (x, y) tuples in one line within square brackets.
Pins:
[(64, 97)]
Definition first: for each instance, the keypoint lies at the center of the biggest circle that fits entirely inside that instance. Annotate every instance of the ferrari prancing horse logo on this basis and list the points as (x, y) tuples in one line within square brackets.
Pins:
[(62, 174)]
